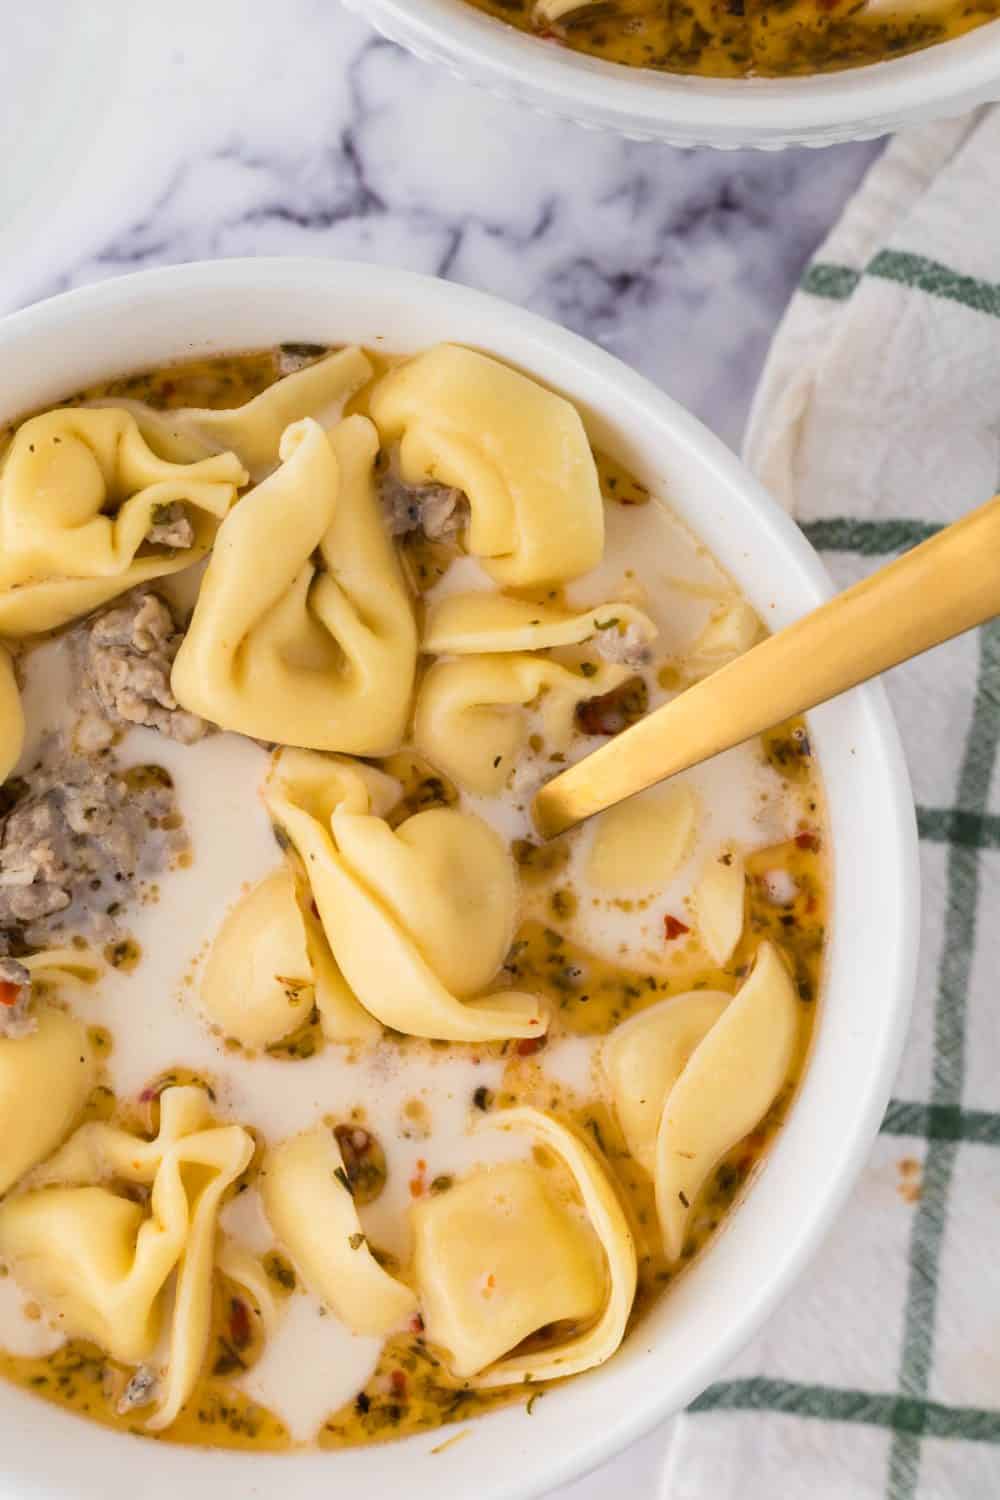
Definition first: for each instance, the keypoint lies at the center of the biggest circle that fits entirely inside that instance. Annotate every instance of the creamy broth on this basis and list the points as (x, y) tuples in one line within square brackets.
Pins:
[(597, 955), (743, 38)]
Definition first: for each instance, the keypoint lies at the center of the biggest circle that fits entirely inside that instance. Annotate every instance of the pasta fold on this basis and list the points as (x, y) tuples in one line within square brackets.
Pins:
[(732, 628), (284, 649), (644, 1057), (253, 431), (99, 1265), (471, 720), (720, 904), (81, 496), (500, 1256), (11, 717), (641, 844), (308, 1201), (479, 623), (45, 1077), (518, 452), (728, 1084), (270, 964), (418, 918)]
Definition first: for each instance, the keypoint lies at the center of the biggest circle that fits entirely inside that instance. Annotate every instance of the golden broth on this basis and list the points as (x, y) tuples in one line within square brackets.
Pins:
[(411, 1389), (743, 38)]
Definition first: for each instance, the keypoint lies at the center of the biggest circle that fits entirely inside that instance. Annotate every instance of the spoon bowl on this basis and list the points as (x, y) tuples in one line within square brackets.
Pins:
[(947, 585)]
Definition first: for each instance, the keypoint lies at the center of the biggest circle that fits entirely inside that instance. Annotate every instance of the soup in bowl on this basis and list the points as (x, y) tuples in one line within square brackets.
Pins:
[(740, 40), (339, 1108), (728, 74)]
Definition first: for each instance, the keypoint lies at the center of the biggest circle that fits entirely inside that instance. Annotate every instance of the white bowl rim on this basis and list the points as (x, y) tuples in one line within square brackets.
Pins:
[(90, 1461), (949, 75)]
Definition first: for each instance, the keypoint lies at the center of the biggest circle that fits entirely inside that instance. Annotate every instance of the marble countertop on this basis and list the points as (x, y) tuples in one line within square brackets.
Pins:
[(242, 129), (238, 129)]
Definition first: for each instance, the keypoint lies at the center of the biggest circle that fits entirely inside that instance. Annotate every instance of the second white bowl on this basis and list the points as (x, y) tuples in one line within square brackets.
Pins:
[(768, 113)]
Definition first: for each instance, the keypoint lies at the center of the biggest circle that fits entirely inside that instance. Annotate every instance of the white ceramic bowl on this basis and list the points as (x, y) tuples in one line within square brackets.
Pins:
[(768, 113), (138, 321)]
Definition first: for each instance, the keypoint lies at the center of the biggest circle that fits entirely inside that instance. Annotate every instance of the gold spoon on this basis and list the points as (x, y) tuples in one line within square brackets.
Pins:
[(941, 588)]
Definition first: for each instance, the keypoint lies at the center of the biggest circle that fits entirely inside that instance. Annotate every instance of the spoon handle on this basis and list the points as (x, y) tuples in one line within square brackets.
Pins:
[(938, 590)]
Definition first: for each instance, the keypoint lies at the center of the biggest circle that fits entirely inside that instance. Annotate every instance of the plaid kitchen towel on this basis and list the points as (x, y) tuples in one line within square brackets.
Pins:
[(877, 421)]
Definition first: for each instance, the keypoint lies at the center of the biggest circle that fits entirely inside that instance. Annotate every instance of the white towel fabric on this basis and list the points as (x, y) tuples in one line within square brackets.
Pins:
[(878, 420)]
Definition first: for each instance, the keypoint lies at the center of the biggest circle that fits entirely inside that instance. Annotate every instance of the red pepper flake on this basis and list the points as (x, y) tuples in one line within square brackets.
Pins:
[(417, 1184), (397, 1382), (239, 1323), (416, 1324), (529, 1045), (673, 927), (807, 840), (9, 992)]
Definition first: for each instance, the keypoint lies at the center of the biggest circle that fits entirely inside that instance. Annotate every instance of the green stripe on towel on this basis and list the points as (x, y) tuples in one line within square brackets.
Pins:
[(912, 1418), (868, 538), (941, 1122), (963, 888), (835, 282), (920, 274), (953, 825), (930, 276)]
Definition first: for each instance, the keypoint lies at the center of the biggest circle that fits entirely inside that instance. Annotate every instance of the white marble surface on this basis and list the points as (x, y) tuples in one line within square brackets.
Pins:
[(239, 128)]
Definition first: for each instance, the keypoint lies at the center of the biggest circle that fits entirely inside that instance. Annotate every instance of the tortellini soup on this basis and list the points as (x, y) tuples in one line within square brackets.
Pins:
[(337, 1106), (743, 38)]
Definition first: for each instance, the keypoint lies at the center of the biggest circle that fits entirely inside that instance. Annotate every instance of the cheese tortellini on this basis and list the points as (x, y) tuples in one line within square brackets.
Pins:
[(99, 1265), (720, 903), (81, 496), (253, 431), (640, 844), (732, 628), (45, 1078), (644, 1057), (471, 720), (418, 918), (503, 1254), (270, 964), (11, 717), (693, 1075), (308, 1201), (518, 452), (285, 648)]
